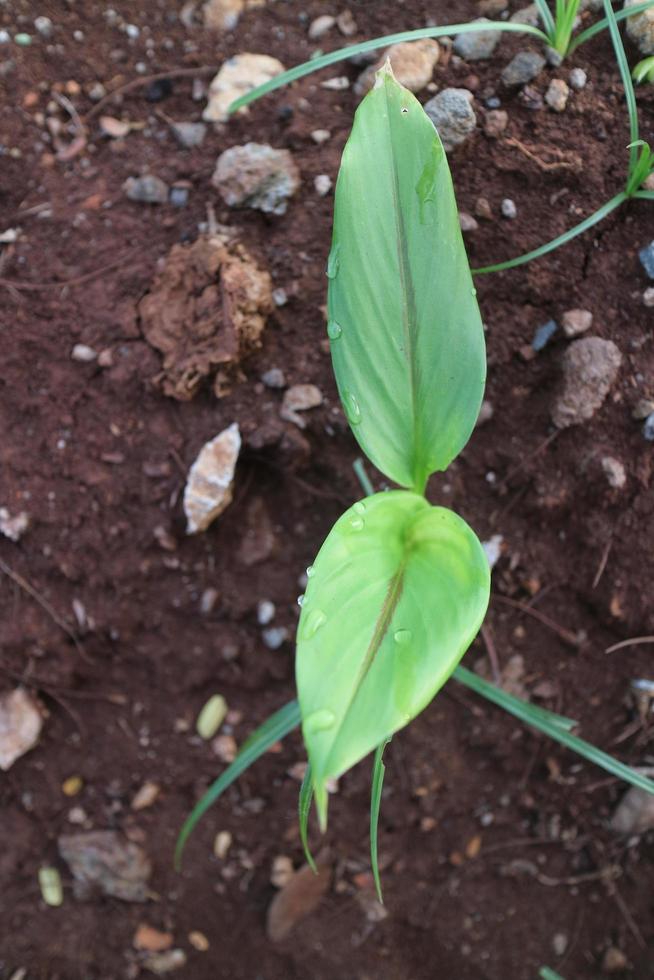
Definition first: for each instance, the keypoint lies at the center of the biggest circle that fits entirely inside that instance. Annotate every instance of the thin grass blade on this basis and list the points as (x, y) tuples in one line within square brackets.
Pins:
[(378, 771), (273, 729), (567, 236), (547, 18), (553, 727), (601, 25), (360, 472), (627, 82), (342, 54), (304, 807), (644, 195)]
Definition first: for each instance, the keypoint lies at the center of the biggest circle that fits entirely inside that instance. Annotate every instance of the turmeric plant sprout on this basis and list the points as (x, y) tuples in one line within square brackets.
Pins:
[(399, 588)]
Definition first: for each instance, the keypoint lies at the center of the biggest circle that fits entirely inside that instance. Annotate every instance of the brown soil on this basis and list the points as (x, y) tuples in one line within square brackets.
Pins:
[(98, 457)]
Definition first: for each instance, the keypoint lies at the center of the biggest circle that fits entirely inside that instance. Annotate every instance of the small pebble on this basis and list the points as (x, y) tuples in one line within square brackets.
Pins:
[(222, 844), (43, 26), (280, 296), (179, 196), (198, 941), (467, 222), (189, 134), (282, 871), (648, 296), (320, 136), (322, 184), (509, 210), (543, 335), (522, 68), (225, 748), (208, 600), (614, 961), (338, 84), (274, 637), (553, 57), (648, 428), (265, 612), (496, 122), (614, 472), (575, 322), (5, 37), (483, 209), (23, 40), (321, 26), (52, 890), (559, 943), (646, 256), (147, 189), (493, 102), (557, 95), (83, 354), (577, 79), (642, 409), (274, 378), (211, 717)]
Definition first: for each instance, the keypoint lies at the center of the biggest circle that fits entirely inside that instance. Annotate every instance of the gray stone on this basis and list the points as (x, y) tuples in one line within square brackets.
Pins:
[(43, 26), (614, 472), (646, 256), (275, 637), (523, 68), (590, 367), (527, 15), (104, 861), (83, 353), (648, 428), (577, 79), (256, 176), (648, 296), (543, 335), (321, 26), (179, 196), (634, 813), (509, 209), (477, 45), (641, 28), (274, 378), (452, 115), (189, 134), (147, 189)]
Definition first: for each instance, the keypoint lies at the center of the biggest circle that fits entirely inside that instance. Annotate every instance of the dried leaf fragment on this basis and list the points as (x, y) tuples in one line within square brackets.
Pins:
[(298, 898)]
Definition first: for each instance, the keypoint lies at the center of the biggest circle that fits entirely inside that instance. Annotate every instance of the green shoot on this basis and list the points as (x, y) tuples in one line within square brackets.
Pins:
[(378, 771), (601, 25), (273, 730), (304, 806), (629, 93), (566, 14), (644, 71), (643, 167), (342, 54), (546, 974), (555, 243)]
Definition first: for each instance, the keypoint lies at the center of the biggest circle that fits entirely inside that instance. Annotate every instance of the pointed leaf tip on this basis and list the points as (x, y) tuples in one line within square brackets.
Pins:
[(382, 73)]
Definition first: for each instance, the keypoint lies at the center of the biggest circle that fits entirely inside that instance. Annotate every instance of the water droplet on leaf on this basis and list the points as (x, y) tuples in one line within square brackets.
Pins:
[(359, 507), (334, 330), (300, 600), (312, 623), (319, 721), (402, 637), (352, 410), (333, 262), (357, 523), (310, 571)]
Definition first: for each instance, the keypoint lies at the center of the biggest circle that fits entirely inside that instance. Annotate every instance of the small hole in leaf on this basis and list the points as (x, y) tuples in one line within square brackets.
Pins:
[(404, 109)]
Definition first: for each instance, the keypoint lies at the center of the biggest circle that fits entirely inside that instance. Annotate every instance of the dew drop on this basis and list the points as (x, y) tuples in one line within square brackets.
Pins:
[(357, 523), (473, 291), (300, 600), (334, 330), (359, 507), (311, 571), (402, 637), (319, 721), (352, 410), (312, 623), (333, 262)]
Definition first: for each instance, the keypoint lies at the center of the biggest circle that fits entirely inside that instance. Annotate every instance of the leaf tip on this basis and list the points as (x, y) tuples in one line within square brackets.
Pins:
[(386, 71)]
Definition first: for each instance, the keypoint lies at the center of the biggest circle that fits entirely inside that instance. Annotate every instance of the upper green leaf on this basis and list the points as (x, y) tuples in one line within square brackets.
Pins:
[(406, 336), (394, 599)]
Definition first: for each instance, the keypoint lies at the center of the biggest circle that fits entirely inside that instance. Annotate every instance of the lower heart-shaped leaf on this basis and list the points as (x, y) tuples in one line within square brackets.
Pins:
[(396, 595)]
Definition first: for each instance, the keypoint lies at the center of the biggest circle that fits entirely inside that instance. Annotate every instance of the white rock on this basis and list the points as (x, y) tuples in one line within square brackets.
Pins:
[(509, 209), (209, 486), (83, 353), (265, 612), (557, 95), (634, 813), (338, 84), (648, 296), (21, 722), (222, 15), (322, 184), (222, 844), (282, 871), (614, 472), (577, 79), (13, 527), (299, 398), (493, 549), (237, 76), (321, 26), (320, 136), (641, 28), (575, 322), (256, 175)]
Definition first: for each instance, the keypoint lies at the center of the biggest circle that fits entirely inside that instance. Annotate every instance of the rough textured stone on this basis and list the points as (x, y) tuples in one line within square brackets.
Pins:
[(523, 68), (590, 367), (21, 721), (577, 79), (496, 122), (576, 322), (256, 176), (103, 861), (208, 489), (147, 189), (222, 15), (237, 76), (641, 28), (477, 45), (527, 15), (413, 64), (557, 95), (453, 116)]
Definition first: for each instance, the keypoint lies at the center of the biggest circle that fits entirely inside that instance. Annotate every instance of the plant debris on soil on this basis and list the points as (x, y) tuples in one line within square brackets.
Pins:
[(132, 336)]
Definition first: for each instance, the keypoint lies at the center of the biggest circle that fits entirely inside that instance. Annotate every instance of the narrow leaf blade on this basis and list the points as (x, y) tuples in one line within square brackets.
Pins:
[(406, 336), (397, 594), (272, 730), (304, 808), (378, 772)]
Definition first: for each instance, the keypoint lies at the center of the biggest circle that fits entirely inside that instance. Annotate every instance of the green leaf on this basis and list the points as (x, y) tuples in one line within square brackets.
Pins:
[(272, 730), (378, 770), (395, 597), (304, 807), (406, 336)]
